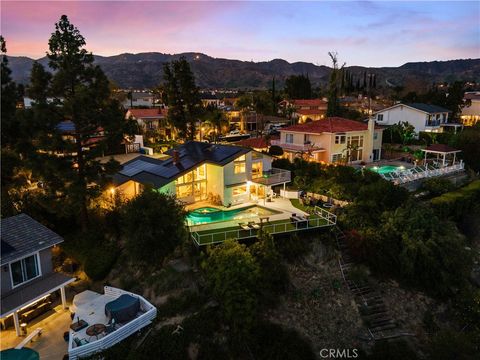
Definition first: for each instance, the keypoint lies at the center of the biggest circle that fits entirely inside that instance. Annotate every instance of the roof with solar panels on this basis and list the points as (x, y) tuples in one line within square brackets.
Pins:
[(184, 158)]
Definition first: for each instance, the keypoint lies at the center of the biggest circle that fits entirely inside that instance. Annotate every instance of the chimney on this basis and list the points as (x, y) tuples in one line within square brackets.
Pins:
[(176, 157)]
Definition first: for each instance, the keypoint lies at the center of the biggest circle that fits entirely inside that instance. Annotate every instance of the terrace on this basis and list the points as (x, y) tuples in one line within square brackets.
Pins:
[(286, 219), (273, 177), (99, 324)]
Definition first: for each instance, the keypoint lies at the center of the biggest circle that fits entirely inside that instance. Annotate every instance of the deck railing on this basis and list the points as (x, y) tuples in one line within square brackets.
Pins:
[(421, 172), (75, 352), (273, 176), (321, 218)]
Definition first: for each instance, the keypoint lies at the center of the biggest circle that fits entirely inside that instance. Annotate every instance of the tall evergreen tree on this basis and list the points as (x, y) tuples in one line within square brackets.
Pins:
[(298, 87), (81, 95), (333, 107), (182, 97)]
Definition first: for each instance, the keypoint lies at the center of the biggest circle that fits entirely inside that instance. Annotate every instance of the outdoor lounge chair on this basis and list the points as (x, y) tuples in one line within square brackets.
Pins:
[(253, 225), (80, 342), (244, 226)]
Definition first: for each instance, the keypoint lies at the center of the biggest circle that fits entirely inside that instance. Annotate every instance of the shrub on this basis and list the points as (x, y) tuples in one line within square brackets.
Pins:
[(275, 150), (292, 246), (456, 204), (437, 186)]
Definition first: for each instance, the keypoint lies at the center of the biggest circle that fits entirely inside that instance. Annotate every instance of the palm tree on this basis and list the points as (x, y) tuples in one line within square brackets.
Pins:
[(216, 120)]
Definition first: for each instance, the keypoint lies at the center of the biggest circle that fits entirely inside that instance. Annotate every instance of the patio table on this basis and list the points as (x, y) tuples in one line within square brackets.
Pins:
[(96, 330)]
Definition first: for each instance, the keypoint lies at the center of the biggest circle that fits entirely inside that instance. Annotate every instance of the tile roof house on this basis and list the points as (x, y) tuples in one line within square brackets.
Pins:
[(305, 109), (27, 272), (424, 117), (333, 140), (151, 119), (196, 171)]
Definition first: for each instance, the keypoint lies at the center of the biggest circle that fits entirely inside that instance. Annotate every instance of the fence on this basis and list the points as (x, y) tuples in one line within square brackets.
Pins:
[(325, 218), (119, 334), (421, 172)]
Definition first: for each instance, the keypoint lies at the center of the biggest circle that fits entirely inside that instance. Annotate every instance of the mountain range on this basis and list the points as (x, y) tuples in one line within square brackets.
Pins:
[(144, 70)]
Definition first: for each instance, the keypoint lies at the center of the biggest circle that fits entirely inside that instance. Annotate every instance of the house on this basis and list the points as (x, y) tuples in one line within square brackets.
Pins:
[(151, 120), (332, 140), (471, 112), (139, 99), (424, 117), (198, 171), (258, 144), (210, 99), (28, 278), (305, 109)]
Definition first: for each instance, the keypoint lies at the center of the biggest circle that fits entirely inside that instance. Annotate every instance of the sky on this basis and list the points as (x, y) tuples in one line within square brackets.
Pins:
[(366, 33)]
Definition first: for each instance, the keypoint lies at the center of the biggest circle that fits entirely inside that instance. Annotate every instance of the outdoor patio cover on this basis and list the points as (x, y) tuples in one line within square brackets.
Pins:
[(123, 309)]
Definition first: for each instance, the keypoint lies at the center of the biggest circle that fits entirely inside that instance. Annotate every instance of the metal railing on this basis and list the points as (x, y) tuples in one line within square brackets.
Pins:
[(295, 147), (322, 218), (273, 176)]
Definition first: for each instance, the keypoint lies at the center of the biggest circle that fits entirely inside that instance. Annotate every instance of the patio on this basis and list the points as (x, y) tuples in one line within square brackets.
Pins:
[(50, 344)]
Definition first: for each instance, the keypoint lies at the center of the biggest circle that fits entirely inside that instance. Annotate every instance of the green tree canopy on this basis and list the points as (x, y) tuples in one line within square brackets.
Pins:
[(153, 226), (233, 273), (298, 87)]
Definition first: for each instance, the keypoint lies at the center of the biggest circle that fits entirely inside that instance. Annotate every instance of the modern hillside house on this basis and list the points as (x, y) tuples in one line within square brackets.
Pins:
[(197, 171), (28, 278), (424, 117), (332, 140)]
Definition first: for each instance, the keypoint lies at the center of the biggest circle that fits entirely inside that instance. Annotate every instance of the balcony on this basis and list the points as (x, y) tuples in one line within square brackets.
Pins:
[(296, 147), (273, 177)]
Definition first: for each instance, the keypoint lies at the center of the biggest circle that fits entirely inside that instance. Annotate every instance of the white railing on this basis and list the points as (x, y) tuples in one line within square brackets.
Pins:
[(273, 176), (324, 219), (294, 147), (74, 352), (421, 172)]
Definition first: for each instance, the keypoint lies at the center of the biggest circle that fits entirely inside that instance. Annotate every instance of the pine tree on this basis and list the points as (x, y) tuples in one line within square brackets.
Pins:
[(364, 80), (333, 107), (81, 95)]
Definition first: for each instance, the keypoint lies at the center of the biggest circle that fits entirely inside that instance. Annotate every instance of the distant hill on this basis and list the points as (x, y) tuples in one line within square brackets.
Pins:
[(144, 70)]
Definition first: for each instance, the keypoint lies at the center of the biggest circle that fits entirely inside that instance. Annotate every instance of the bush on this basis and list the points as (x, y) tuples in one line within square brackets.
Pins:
[(275, 150), (456, 204), (437, 186), (292, 246)]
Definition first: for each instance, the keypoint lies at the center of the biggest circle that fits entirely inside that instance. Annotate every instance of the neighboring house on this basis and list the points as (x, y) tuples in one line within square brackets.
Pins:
[(258, 144), (198, 171), (67, 130), (332, 140), (423, 117), (305, 109), (471, 113), (139, 99), (151, 120), (209, 99), (28, 277)]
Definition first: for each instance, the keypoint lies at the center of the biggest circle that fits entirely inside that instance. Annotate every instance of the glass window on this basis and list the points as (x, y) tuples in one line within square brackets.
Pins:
[(239, 190), (257, 169), (289, 138), (375, 136), (336, 157), (24, 270), (239, 165), (379, 117), (340, 139)]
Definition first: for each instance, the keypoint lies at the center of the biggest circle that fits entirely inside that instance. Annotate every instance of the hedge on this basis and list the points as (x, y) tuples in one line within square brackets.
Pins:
[(456, 204)]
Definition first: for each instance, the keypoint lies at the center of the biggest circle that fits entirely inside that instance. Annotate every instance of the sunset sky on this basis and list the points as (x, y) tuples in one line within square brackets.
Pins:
[(363, 33)]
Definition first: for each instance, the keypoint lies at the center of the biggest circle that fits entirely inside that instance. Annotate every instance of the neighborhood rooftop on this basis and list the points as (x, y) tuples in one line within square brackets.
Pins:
[(21, 235), (329, 125), (146, 170), (428, 108), (148, 113)]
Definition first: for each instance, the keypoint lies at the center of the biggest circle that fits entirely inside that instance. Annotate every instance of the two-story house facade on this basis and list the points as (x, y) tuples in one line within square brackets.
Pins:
[(424, 117), (332, 140), (28, 277), (198, 171), (471, 111), (304, 110)]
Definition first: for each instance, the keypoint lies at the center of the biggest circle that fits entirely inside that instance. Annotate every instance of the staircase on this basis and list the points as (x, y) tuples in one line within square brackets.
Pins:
[(373, 310)]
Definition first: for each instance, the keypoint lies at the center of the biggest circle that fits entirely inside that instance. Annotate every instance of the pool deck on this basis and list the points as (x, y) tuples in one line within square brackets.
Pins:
[(283, 206)]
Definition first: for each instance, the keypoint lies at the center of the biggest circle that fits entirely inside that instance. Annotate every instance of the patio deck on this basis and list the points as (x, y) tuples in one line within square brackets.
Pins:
[(320, 218), (50, 344)]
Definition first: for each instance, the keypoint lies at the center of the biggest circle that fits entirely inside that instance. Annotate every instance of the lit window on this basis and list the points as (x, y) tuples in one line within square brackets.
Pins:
[(239, 165), (257, 169), (239, 190), (24, 270)]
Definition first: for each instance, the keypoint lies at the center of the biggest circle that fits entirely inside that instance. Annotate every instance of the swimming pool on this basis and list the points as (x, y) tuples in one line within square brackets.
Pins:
[(385, 169), (208, 215)]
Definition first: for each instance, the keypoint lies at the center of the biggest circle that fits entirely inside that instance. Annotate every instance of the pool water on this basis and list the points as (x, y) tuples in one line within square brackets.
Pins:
[(385, 169), (208, 215)]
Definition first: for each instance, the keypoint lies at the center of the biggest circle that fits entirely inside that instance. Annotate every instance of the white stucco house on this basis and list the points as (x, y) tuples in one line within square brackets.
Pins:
[(424, 117)]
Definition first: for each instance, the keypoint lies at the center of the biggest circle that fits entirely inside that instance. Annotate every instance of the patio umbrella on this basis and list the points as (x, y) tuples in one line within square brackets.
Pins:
[(19, 354)]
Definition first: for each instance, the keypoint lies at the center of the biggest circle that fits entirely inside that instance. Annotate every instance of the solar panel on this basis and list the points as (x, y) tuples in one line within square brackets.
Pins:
[(137, 167)]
